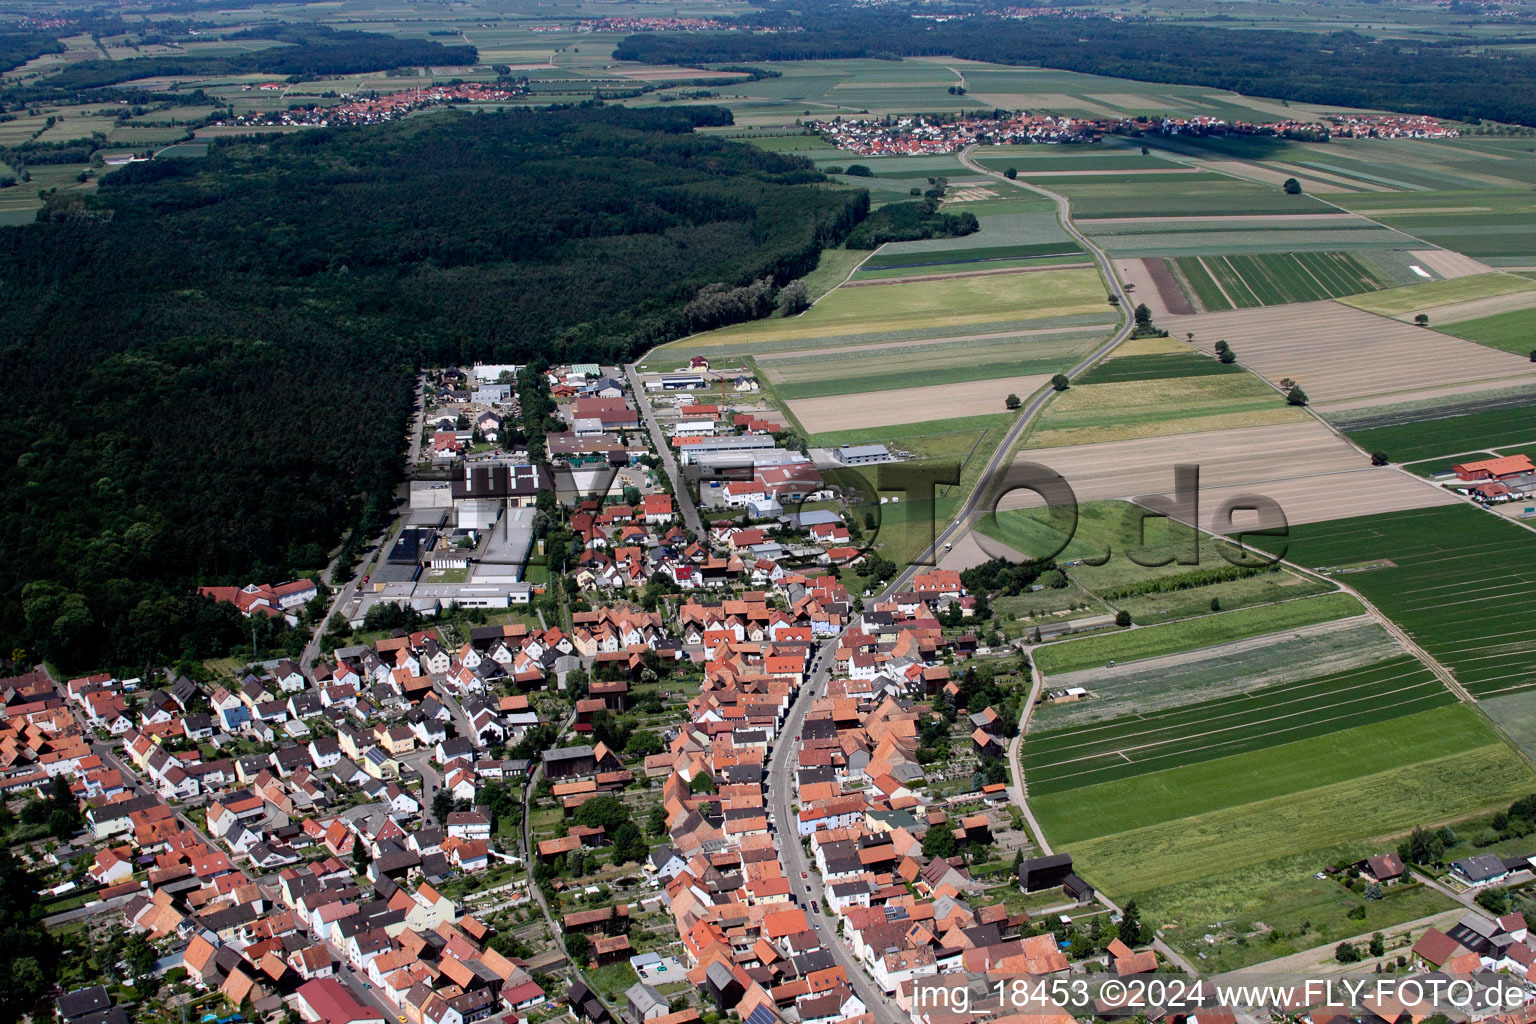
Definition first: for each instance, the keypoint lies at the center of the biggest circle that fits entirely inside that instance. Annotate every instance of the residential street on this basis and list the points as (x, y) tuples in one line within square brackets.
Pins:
[(780, 781), (681, 500)]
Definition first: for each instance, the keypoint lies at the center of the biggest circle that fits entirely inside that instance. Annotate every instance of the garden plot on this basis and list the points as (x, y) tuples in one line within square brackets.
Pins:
[(912, 405), (1309, 471), (1343, 357)]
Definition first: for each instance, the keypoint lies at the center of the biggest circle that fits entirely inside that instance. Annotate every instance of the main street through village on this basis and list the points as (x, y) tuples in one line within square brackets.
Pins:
[(783, 761)]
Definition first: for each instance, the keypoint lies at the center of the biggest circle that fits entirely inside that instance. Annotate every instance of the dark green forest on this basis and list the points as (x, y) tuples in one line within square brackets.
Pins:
[(313, 50), (908, 222), (1445, 79), (208, 365)]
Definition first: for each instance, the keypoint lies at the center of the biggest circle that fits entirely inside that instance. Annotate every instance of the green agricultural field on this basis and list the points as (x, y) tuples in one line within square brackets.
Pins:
[(1155, 366), (1514, 331), (832, 269), (1199, 194), (1148, 408), (1250, 777), (807, 144), (1495, 225), (1396, 301), (1231, 669), (1217, 235), (881, 368), (1380, 779), (890, 257), (1206, 631), (1457, 579), (988, 266), (1278, 907), (913, 432), (917, 306), (1107, 531), (1028, 160), (1434, 467), (1197, 279), (1140, 744), (1515, 715), (1271, 279), (1412, 442)]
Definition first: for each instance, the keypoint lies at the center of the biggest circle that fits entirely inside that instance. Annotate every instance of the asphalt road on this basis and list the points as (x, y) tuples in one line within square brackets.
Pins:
[(998, 464), (680, 499), (782, 762), (780, 781)]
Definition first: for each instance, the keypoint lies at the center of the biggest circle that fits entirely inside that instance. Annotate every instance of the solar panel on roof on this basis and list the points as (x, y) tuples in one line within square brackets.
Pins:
[(762, 1015)]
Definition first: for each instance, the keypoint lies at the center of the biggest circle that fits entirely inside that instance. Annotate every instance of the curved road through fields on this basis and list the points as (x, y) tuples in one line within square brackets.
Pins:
[(781, 765), (998, 464)]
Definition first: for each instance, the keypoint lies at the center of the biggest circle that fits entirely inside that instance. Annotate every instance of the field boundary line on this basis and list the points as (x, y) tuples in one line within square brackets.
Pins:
[(1216, 281), (1327, 291)]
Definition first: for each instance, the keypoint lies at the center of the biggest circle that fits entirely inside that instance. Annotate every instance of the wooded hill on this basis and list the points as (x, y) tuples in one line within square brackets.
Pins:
[(208, 365), (310, 50)]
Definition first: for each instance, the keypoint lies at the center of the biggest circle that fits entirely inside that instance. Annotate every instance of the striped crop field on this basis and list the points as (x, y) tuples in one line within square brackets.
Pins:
[(1273, 279), (1137, 744), (1461, 582)]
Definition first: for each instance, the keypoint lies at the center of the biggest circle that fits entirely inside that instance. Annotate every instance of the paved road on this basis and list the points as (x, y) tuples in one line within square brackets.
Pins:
[(780, 781), (418, 424), (344, 597), (680, 499), (998, 465), (1018, 791)]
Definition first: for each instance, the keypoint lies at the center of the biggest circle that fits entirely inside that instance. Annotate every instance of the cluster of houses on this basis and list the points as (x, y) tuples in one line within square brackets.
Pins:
[(638, 24), (289, 809), (1496, 480), (748, 944), (390, 106), (906, 136), (280, 601), (1389, 126), (1477, 944)]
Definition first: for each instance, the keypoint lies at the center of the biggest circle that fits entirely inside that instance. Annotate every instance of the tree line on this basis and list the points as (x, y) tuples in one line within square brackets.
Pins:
[(311, 51), (1453, 78)]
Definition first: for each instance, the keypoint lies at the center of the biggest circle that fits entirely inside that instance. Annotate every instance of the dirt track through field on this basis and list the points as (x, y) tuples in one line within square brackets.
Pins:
[(1343, 357), (1305, 468), (1246, 220), (1270, 176)]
